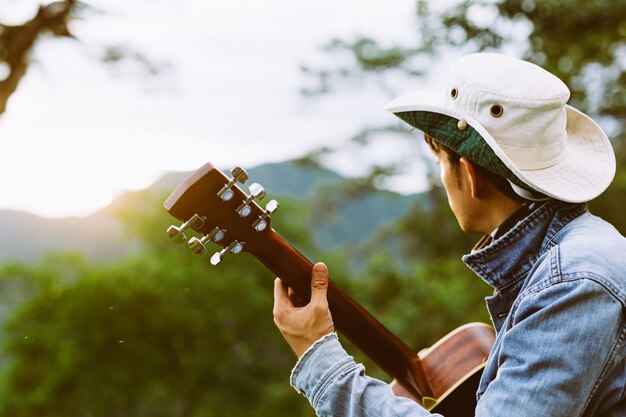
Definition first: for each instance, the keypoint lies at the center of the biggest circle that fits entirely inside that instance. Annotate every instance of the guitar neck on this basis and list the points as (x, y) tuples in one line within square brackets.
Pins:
[(210, 203), (353, 321)]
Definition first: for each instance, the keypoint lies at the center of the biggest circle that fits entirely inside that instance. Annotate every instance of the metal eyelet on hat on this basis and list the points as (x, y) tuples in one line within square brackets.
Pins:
[(496, 110), (454, 93)]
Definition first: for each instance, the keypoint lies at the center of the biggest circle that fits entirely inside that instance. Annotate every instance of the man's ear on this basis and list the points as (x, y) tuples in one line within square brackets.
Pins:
[(475, 180)]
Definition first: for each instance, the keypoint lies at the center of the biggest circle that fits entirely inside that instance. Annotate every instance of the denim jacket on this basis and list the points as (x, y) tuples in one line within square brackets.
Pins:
[(559, 311)]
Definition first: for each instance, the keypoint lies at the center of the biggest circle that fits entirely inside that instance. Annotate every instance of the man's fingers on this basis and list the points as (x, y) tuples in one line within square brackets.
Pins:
[(280, 295), (319, 283), (286, 298)]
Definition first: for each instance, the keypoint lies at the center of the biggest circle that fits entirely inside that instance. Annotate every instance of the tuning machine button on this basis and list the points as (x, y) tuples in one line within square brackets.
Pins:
[(177, 234), (261, 223), (238, 175), (198, 247), (234, 247), (256, 191)]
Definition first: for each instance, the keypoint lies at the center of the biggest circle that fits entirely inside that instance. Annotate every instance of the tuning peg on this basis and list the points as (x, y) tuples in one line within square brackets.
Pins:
[(198, 245), (234, 247), (261, 223), (238, 175), (177, 233), (256, 191)]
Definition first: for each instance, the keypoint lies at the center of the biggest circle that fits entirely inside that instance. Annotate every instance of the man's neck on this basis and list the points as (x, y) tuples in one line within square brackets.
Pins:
[(498, 213), (505, 224)]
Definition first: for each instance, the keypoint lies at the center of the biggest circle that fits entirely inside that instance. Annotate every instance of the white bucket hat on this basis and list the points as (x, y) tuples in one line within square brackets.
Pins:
[(511, 117)]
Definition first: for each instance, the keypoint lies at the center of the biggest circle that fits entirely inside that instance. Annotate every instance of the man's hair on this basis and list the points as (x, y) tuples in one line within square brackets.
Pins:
[(501, 183)]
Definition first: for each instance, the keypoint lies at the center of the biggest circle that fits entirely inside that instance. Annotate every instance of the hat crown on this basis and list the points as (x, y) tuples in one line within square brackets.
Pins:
[(519, 103), (512, 79)]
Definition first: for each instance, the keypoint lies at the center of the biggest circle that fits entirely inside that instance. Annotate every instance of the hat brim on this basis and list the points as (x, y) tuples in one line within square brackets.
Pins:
[(584, 172)]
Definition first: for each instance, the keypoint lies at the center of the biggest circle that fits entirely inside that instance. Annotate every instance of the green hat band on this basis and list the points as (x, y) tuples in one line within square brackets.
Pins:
[(466, 142)]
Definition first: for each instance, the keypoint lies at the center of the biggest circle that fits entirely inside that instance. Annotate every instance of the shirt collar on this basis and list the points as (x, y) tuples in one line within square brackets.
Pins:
[(508, 258)]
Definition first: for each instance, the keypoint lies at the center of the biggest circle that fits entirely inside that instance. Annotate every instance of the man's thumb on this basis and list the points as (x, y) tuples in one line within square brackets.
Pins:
[(319, 282)]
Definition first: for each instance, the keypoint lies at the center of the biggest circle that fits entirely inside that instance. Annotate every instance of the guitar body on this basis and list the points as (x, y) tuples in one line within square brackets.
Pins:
[(453, 367), (460, 402), (443, 378)]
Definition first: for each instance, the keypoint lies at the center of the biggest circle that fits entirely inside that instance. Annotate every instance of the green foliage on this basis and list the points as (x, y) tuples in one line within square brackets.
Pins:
[(431, 232), (153, 335), (610, 206), (162, 333)]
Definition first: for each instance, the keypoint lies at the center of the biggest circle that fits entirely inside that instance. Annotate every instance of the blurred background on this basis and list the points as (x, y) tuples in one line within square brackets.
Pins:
[(105, 106)]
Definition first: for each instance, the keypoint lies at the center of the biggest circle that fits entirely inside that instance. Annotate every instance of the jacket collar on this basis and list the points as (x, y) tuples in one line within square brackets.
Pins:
[(509, 258)]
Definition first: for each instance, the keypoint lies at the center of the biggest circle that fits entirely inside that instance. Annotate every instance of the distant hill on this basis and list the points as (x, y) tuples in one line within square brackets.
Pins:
[(26, 237), (283, 178), (100, 236)]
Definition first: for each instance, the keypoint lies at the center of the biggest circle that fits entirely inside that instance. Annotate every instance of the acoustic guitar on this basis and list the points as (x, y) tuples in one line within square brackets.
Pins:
[(443, 378)]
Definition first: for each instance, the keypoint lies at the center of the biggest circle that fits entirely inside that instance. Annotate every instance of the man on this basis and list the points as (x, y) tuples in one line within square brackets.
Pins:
[(518, 165)]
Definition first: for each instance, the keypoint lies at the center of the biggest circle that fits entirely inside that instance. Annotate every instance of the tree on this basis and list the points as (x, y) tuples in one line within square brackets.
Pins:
[(50, 20), (16, 42), (162, 333)]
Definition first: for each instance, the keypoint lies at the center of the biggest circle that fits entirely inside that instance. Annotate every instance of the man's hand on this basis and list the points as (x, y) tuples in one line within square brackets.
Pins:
[(302, 326)]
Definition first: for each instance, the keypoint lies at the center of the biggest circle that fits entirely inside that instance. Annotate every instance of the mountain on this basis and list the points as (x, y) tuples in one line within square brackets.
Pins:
[(288, 178), (24, 236), (101, 236)]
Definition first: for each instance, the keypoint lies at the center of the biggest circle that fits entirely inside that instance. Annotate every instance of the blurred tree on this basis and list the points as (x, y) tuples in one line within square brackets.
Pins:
[(50, 20), (16, 42), (154, 336), (163, 333)]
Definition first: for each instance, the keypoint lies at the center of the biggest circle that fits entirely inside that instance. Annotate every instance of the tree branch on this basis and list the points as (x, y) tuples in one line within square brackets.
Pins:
[(17, 41)]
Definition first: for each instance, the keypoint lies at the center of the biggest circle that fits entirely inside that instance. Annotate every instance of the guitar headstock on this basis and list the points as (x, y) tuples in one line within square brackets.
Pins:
[(213, 205)]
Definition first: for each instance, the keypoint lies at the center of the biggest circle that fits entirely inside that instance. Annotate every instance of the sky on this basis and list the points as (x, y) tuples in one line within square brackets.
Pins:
[(78, 133)]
